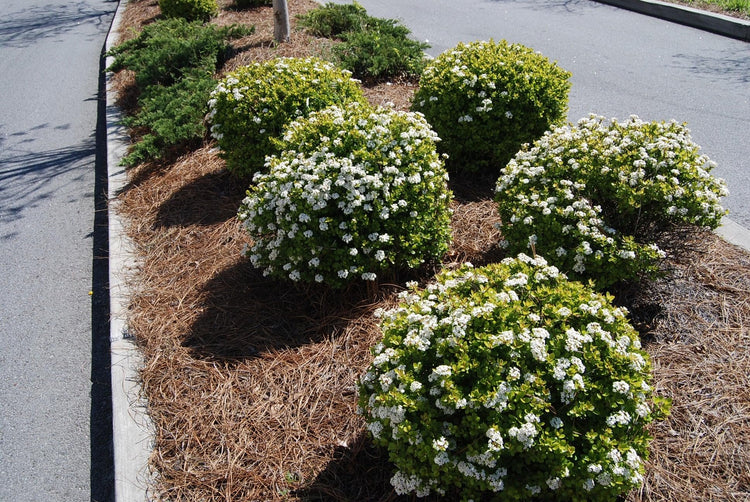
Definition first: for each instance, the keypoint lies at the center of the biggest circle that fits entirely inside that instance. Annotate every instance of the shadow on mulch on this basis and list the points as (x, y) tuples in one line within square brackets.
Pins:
[(247, 315), (358, 471), (210, 199)]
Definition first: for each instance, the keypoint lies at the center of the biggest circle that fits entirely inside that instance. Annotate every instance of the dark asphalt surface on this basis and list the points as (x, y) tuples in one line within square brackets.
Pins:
[(622, 62), (55, 425)]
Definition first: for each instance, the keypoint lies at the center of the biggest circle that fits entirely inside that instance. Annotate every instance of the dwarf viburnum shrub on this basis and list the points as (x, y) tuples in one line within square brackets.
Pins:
[(485, 99), (251, 105), (592, 197), (355, 193), (510, 381)]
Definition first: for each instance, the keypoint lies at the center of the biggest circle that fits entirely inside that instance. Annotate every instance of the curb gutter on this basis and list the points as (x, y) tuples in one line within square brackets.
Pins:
[(131, 427), (708, 21)]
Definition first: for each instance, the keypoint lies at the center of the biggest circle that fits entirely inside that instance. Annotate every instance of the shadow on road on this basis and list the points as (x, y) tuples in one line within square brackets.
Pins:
[(49, 22)]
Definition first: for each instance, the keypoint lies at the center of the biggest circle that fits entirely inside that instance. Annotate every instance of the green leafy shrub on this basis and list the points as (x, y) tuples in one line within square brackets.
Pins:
[(251, 105), (192, 10), (174, 61), (246, 4), (486, 99), (592, 198), (382, 50), (331, 20), (167, 49), (356, 193), (509, 381)]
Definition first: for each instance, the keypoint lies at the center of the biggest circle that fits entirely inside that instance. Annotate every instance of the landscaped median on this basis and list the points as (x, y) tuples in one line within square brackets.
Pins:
[(346, 314)]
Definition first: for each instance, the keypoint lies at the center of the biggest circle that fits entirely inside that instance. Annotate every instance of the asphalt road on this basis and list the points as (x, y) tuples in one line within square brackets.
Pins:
[(55, 418), (622, 62)]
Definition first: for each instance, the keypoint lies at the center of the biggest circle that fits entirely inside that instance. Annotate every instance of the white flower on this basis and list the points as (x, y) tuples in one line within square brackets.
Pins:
[(621, 417), (440, 444), (620, 387)]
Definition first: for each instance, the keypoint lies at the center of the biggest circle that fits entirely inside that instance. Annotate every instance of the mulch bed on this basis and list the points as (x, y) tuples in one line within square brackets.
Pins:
[(251, 383)]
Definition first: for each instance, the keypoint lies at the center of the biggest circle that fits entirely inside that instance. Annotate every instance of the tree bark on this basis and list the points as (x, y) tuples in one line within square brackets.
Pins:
[(280, 21)]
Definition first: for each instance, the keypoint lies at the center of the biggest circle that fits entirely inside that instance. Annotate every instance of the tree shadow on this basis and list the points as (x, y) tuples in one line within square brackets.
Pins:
[(29, 26), (358, 472), (570, 6), (28, 178), (727, 65), (213, 198), (246, 315)]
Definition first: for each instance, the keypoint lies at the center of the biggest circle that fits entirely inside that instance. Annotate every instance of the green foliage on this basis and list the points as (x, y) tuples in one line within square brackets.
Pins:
[(252, 105), (509, 382), (192, 10), (371, 48), (355, 194), (332, 20), (174, 61), (382, 50), (248, 4), (172, 116), (593, 197), (486, 99), (166, 49)]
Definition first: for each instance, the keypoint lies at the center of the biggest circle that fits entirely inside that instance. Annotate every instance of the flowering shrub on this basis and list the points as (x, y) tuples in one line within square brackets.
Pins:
[(192, 10), (251, 105), (355, 193), (486, 99), (592, 197), (509, 379)]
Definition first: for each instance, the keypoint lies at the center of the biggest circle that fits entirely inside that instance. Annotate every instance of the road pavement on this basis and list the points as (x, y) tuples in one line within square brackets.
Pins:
[(622, 62), (55, 417)]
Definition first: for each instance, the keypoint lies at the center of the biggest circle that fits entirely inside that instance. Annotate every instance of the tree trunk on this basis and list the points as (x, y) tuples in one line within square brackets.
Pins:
[(280, 21)]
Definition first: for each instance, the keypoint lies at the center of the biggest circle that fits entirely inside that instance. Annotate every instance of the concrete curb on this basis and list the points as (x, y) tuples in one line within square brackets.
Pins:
[(132, 431), (708, 21)]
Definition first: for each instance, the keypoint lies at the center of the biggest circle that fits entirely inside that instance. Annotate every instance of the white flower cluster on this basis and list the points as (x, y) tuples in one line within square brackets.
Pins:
[(464, 348), (330, 213), (580, 192)]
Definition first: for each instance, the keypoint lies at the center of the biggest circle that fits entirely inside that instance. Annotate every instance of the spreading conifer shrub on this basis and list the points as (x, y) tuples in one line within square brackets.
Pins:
[(486, 99), (192, 10), (174, 61), (332, 20), (382, 50), (355, 194), (165, 50), (593, 197), (251, 105), (509, 382)]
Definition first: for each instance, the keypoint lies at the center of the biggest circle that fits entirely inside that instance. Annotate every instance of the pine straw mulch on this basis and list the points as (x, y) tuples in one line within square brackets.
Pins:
[(251, 384)]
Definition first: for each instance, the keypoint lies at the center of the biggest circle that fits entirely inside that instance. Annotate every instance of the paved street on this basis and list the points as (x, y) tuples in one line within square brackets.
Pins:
[(623, 63), (54, 356)]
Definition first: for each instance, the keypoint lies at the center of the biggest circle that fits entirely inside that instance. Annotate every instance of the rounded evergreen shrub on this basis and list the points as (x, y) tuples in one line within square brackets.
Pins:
[(509, 382), (356, 193), (192, 10), (593, 197), (251, 105), (486, 99)]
